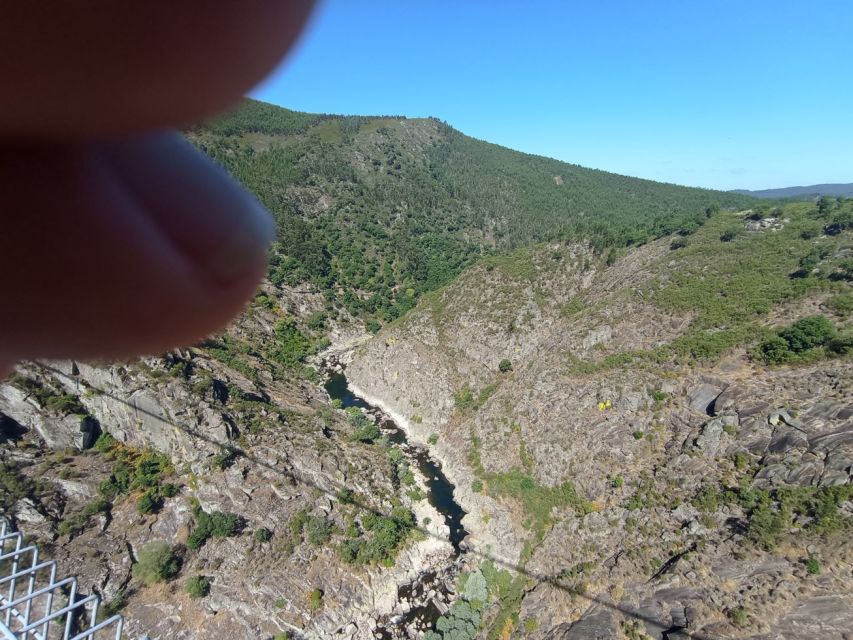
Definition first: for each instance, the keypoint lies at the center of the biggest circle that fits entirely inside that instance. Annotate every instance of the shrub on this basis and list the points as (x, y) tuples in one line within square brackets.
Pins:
[(505, 365), (315, 600), (157, 562), (77, 521), (346, 496), (657, 395), (617, 481), (433, 439), (477, 486), (169, 490), (104, 443), (812, 566), (263, 535), (775, 351), (216, 524), (225, 458), (365, 430), (807, 333), (738, 617), (149, 502), (198, 586), (638, 435), (319, 530)]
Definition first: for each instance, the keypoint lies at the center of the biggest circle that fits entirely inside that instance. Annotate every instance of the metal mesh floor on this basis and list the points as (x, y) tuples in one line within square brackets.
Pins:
[(36, 603)]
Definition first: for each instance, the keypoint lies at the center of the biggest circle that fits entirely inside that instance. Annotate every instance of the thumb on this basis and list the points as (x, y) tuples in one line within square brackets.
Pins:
[(114, 249)]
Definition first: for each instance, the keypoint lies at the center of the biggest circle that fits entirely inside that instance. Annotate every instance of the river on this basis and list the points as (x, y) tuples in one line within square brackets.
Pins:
[(439, 494)]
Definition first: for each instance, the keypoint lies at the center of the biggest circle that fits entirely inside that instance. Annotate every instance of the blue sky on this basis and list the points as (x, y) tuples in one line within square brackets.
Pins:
[(721, 93)]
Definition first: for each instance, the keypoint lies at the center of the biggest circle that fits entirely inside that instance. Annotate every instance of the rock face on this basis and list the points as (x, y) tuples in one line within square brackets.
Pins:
[(294, 455), (665, 456)]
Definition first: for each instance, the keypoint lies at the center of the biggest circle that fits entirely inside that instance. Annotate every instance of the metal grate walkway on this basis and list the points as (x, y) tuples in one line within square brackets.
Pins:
[(36, 605)]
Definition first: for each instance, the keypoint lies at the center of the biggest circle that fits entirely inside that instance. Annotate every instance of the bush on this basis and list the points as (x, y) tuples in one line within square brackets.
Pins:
[(157, 562), (104, 443), (225, 458), (477, 486), (802, 336), (807, 333), (198, 586), (319, 530), (218, 524), (504, 366), (638, 435), (315, 600), (169, 490), (738, 617), (149, 502), (365, 430), (775, 351), (263, 535), (433, 439), (812, 566)]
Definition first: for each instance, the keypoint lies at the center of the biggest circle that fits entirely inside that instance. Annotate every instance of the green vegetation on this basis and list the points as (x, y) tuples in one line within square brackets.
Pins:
[(383, 535), (536, 500), (412, 211), (132, 469), (14, 485), (433, 439), (315, 600), (365, 429), (805, 340), (319, 530), (199, 586), (504, 365), (73, 524), (812, 565), (225, 458), (739, 617), (771, 514), (262, 535), (482, 592), (466, 401), (149, 502), (216, 524), (57, 402), (728, 288), (157, 562)]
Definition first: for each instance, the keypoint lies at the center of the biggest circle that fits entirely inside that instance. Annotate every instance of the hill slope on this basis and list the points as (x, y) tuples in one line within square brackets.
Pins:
[(614, 429), (802, 193), (381, 210)]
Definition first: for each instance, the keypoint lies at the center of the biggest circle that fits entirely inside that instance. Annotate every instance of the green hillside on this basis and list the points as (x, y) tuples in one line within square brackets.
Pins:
[(377, 211)]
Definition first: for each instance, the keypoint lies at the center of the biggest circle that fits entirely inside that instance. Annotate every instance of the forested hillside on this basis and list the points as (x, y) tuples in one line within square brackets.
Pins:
[(377, 211)]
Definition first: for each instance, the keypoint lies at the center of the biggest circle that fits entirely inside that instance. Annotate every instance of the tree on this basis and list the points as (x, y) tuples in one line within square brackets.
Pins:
[(823, 205), (505, 365)]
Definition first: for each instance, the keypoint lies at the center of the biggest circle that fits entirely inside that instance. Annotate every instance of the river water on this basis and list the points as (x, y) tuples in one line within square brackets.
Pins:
[(423, 615), (439, 488)]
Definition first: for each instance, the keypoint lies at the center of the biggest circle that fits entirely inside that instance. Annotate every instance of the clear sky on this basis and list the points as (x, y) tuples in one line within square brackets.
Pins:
[(718, 93)]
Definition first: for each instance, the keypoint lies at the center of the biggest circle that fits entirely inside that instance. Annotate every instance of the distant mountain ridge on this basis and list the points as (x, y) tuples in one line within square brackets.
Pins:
[(814, 190)]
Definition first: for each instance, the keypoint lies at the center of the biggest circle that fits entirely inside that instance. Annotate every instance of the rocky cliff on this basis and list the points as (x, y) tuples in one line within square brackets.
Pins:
[(644, 480), (100, 461)]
